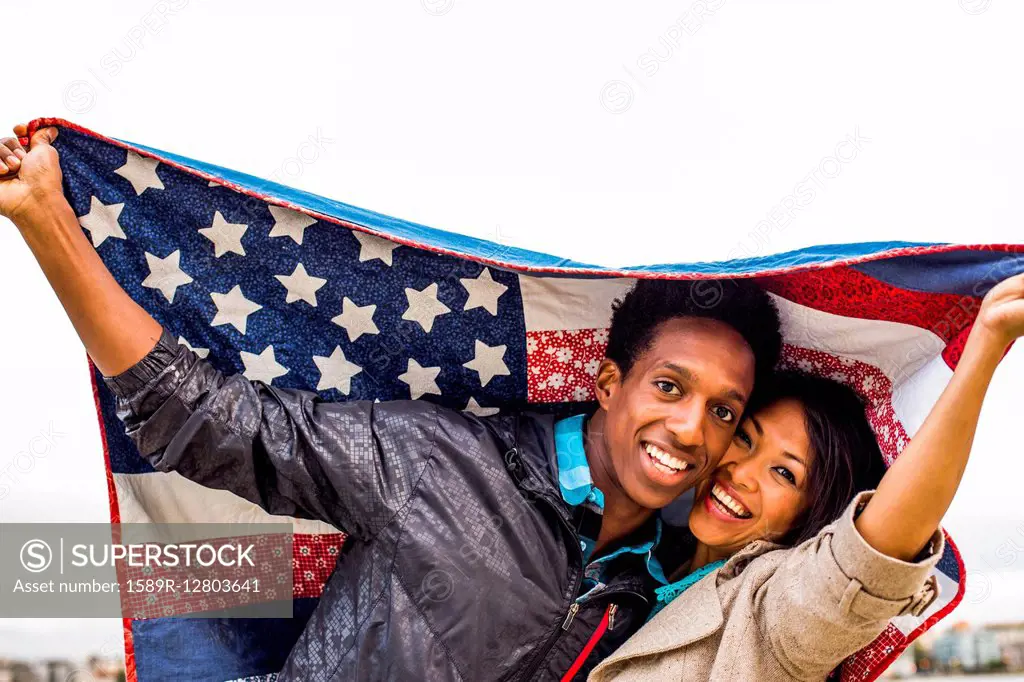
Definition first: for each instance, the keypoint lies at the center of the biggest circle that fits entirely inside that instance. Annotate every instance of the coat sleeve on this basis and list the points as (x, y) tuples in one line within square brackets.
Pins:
[(351, 464), (835, 594)]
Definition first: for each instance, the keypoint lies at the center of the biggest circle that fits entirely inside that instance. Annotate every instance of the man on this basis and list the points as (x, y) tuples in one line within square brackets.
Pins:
[(507, 547)]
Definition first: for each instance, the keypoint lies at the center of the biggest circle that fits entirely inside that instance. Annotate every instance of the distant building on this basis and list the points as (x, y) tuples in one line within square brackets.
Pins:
[(17, 671), (104, 670), (57, 671), (95, 669), (1011, 641), (965, 649)]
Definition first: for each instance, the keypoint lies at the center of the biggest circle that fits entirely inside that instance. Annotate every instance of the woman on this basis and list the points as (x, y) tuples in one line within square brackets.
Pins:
[(773, 592)]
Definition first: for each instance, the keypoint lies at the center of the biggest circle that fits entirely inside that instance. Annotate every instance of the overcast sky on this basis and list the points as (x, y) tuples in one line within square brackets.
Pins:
[(611, 133)]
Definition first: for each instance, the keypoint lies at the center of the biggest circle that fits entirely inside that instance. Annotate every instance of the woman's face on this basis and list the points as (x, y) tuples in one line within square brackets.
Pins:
[(759, 489)]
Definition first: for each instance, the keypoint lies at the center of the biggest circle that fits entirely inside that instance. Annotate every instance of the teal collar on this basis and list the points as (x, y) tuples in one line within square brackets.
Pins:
[(573, 469), (577, 487)]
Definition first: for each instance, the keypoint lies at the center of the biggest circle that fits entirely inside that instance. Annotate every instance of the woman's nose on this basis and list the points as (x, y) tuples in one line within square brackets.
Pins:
[(744, 474)]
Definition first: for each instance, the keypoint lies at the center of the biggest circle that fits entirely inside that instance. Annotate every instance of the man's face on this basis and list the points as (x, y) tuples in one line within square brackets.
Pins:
[(671, 419)]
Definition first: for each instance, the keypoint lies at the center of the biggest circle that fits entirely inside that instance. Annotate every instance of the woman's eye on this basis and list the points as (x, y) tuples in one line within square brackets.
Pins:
[(742, 436), (786, 474), (665, 386), (724, 413)]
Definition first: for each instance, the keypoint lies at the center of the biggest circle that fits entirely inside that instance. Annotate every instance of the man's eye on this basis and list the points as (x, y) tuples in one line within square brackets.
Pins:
[(724, 413), (666, 386), (786, 474)]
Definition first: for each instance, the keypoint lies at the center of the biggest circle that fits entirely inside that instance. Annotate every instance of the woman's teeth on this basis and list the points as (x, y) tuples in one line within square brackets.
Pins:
[(728, 504), (664, 461)]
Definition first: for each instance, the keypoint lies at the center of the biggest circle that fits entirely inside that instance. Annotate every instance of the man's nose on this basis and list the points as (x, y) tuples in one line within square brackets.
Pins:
[(686, 422)]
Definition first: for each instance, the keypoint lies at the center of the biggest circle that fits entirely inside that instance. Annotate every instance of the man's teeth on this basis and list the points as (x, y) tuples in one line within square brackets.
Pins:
[(665, 461), (735, 507)]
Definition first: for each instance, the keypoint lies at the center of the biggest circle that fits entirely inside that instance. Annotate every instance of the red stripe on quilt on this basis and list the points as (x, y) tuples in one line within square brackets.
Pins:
[(115, 517), (870, 383), (561, 365), (875, 657), (313, 558), (851, 293), (313, 562)]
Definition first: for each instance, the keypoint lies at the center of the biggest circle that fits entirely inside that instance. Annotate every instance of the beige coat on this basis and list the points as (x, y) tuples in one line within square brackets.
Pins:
[(772, 613)]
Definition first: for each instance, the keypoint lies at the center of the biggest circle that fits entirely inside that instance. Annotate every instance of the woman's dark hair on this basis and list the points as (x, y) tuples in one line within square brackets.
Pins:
[(739, 303), (846, 457)]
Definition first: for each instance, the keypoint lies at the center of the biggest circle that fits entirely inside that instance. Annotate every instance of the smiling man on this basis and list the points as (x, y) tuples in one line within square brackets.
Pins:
[(514, 546)]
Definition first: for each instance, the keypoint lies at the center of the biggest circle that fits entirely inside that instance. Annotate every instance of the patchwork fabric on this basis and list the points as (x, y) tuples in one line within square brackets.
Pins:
[(300, 291)]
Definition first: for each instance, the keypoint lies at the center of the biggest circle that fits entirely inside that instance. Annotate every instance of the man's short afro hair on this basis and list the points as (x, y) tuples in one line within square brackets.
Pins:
[(740, 303)]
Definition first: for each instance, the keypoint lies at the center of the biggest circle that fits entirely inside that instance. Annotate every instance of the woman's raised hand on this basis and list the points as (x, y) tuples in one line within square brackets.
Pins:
[(32, 177), (1002, 311)]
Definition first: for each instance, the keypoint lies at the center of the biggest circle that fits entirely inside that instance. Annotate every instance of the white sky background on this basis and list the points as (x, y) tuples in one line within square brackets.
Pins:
[(489, 120)]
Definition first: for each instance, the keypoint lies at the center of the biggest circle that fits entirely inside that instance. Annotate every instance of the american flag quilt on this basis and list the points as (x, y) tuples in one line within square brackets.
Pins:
[(297, 290)]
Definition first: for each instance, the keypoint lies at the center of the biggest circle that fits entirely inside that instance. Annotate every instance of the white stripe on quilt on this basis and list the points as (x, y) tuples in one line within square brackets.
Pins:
[(914, 398), (160, 497), (897, 349), (552, 303)]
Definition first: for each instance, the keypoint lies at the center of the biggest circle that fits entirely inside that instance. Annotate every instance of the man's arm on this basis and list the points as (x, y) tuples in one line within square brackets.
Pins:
[(351, 464), (116, 331)]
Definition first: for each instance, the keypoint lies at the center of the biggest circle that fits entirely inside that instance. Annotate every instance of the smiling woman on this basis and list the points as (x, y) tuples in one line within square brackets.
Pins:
[(795, 463)]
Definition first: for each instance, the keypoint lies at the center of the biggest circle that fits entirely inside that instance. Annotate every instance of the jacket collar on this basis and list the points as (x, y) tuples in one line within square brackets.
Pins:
[(696, 614), (667, 630)]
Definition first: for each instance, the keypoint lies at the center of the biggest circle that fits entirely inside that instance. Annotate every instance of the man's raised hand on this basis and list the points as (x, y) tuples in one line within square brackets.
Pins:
[(30, 178)]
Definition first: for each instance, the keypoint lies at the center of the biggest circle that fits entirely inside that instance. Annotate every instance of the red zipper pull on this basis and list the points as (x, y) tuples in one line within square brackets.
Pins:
[(603, 626)]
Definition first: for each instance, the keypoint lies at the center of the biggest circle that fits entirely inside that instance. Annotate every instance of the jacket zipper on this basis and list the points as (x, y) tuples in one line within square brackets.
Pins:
[(570, 615), (542, 653), (606, 624), (574, 607)]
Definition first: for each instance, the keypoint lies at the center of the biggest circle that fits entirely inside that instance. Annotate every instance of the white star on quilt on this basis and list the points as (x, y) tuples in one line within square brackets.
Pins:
[(356, 320), (371, 247), (165, 274), (424, 306), (421, 380), (289, 223), (263, 367), (224, 235), (488, 362), (336, 371), (101, 221), (201, 352), (301, 285), (484, 292), (141, 172), (233, 308), (479, 410)]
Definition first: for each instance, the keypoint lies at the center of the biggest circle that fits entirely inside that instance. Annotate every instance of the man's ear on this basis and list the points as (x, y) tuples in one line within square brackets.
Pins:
[(608, 381)]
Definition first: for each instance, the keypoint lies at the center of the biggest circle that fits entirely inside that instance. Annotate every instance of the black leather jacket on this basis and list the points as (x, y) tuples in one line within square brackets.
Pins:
[(463, 561)]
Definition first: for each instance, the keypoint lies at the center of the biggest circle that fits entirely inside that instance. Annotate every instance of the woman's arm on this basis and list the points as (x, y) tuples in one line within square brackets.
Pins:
[(919, 487), (115, 330)]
